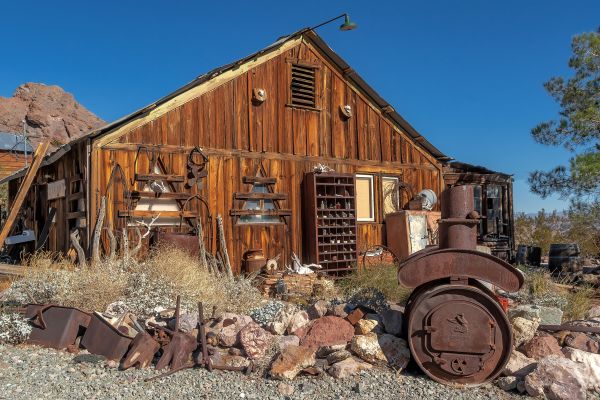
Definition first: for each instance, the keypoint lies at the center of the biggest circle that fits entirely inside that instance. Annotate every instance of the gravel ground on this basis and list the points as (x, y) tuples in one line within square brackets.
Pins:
[(35, 373)]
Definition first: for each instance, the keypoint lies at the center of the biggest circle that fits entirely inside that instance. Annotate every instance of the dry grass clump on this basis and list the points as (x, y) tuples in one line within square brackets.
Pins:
[(94, 288), (538, 283), (579, 302), (144, 286), (170, 271), (48, 278), (382, 277)]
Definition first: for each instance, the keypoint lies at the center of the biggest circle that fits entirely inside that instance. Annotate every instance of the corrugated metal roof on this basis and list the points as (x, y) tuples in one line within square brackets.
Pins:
[(14, 142)]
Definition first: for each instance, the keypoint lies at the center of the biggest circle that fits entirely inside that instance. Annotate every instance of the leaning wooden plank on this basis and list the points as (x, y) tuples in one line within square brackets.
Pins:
[(7, 269), (38, 156)]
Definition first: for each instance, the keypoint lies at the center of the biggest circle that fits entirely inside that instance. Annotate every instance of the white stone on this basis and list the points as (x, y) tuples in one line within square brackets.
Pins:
[(365, 326), (386, 348), (523, 330), (291, 340), (557, 378), (591, 363), (280, 322), (348, 367), (297, 321)]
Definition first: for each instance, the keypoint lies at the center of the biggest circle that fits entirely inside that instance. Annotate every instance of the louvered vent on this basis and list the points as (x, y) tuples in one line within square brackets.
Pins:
[(303, 86)]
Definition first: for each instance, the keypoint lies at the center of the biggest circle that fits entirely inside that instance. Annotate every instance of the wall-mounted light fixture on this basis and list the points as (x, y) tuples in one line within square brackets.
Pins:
[(346, 26)]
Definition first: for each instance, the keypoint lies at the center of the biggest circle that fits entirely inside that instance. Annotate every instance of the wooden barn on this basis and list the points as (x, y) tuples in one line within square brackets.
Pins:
[(244, 141)]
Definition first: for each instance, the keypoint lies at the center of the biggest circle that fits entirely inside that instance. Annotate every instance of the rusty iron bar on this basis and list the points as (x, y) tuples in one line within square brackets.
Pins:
[(569, 327), (205, 361)]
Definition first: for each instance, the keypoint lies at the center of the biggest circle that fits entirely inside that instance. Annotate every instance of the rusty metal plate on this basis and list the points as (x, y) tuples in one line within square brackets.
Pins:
[(458, 325), (55, 326), (184, 241), (103, 339), (458, 334), (428, 266)]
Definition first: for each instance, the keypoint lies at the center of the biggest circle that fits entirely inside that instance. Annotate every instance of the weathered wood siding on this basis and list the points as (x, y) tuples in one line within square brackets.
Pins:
[(36, 205), (11, 162), (289, 141)]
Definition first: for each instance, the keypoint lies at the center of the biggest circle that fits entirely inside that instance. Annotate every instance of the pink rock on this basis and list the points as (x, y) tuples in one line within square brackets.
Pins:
[(298, 320), (542, 346), (328, 331), (254, 340), (228, 328), (291, 340), (581, 341), (49, 112)]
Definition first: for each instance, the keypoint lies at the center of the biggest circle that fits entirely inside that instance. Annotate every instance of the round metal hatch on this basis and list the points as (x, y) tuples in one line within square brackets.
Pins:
[(458, 334)]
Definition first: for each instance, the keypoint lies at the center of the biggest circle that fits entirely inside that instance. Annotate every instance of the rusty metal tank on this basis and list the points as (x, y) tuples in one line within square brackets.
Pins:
[(457, 331)]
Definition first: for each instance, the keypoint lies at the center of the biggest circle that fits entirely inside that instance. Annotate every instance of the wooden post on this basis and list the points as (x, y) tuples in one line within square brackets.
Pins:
[(125, 246), (201, 248), (98, 231), (80, 253), (113, 243), (38, 156), (223, 246)]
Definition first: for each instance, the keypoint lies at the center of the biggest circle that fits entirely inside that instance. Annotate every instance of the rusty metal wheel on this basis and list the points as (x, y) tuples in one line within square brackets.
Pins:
[(458, 334)]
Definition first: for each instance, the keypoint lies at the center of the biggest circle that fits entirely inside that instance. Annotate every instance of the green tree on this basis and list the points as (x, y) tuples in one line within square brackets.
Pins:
[(541, 230), (578, 125)]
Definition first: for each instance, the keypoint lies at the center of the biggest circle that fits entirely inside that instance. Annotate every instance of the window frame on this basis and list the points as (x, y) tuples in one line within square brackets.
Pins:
[(371, 178), (383, 197)]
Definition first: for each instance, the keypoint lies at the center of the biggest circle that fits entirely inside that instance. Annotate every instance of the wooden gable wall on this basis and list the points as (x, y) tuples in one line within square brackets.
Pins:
[(238, 135)]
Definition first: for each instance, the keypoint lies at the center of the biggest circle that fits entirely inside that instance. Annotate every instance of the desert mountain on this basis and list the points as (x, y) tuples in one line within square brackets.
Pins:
[(49, 112)]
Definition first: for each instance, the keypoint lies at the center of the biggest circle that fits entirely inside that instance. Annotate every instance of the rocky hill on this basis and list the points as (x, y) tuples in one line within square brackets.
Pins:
[(49, 112)]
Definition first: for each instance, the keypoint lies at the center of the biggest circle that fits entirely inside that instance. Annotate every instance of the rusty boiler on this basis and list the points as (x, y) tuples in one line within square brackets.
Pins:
[(457, 331)]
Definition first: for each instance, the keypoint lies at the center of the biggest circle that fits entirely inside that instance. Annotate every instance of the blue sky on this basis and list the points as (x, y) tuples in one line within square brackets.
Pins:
[(467, 74)]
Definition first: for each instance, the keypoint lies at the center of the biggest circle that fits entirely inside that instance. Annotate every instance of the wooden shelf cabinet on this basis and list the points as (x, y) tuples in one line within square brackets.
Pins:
[(330, 221)]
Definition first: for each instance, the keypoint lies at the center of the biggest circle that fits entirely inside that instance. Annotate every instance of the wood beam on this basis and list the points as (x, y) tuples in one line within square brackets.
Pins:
[(38, 156)]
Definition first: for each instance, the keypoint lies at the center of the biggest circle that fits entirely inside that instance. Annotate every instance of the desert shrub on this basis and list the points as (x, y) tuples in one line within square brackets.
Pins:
[(45, 279), (94, 288), (579, 302), (169, 272), (538, 283), (142, 287), (14, 328), (382, 277)]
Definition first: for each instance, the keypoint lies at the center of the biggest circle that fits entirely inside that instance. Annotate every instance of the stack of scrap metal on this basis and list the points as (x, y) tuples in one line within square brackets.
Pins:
[(122, 338)]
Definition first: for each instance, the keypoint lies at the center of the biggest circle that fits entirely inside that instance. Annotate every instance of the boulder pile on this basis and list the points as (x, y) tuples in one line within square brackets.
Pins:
[(338, 339), (555, 365)]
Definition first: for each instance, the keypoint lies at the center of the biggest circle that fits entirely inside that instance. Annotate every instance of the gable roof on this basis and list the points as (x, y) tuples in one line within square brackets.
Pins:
[(333, 57)]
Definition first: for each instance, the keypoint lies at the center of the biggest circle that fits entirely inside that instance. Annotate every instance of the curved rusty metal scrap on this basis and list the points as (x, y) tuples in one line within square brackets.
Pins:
[(458, 334), (431, 265)]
